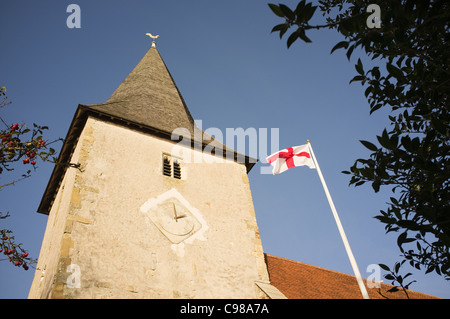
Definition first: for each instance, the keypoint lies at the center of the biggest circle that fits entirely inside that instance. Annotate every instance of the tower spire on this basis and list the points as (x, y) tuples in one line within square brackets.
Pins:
[(148, 96)]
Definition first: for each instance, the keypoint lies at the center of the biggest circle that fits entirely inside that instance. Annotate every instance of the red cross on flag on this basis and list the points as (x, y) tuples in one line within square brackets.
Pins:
[(291, 157)]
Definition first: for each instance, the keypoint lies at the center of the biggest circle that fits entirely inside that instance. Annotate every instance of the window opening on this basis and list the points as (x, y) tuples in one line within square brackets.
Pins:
[(171, 166)]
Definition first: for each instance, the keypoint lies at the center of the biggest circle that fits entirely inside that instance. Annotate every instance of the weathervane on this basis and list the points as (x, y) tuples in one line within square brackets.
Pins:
[(154, 37)]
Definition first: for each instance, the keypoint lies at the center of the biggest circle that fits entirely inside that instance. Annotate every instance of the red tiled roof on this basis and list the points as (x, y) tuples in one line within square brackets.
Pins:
[(298, 280)]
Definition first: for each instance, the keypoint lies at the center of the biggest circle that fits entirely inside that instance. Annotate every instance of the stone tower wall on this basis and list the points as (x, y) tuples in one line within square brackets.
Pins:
[(99, 244)]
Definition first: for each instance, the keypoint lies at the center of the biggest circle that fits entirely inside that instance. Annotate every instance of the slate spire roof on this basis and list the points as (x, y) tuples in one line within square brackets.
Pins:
[(149, 96)]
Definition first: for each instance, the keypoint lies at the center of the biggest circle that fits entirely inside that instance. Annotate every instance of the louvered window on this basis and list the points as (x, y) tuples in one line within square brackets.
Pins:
[(176, 169), (171, 166), (167, 166)]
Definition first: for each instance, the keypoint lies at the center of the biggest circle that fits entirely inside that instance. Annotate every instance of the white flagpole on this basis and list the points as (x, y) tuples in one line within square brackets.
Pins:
[(341, 229)]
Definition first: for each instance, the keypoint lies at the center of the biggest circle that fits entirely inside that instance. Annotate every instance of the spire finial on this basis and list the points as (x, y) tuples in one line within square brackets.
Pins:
[(154, 37)]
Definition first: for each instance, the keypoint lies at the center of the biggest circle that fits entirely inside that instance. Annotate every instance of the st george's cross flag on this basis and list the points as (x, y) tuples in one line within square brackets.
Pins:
[(304, 155), (290, 157)]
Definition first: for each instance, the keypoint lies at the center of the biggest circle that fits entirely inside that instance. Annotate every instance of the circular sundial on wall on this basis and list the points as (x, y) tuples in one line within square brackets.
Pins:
[(173, 216), (174, 220), (177, 222)]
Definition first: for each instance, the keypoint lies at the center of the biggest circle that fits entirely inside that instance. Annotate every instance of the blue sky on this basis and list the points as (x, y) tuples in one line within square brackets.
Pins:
[(232, 72)]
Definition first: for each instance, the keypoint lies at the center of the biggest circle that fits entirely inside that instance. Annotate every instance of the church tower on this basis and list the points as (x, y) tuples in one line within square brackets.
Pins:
[(154, 208)]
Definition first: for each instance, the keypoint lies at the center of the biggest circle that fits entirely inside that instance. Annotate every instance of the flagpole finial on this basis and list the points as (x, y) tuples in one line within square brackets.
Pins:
[(307, 141)]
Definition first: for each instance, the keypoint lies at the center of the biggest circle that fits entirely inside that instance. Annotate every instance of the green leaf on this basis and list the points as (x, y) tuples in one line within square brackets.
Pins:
[(300, 7), (283, 31), (406, 142), (384, 267), (397, 267), (394, 200), (394, 71), (278, 27), (276, 9), (349, 51), (294, 36), (342, 44), (393, 141), (429, 269), (376, 186), (359, 67), (303, 36), (407, 275), (384, 140), (287, 12), (375, 107), (369, 145), (375, 72), (357, 78), (403, 239), (309, 12), (389, 277)]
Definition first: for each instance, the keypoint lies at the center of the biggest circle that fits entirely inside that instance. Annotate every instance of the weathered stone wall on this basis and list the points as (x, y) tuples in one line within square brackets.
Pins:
[(113, 250)]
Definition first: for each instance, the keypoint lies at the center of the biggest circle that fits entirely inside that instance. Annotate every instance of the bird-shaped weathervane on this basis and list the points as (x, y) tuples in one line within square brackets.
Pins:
[(154, 37)]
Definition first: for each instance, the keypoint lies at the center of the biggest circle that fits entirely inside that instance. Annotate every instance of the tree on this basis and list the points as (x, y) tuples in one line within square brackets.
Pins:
[(411, 76), (19, 144)]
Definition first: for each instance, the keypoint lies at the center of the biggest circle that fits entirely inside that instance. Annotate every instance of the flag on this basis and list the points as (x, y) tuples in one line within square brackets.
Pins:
[(300, 156), (290, 157)]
